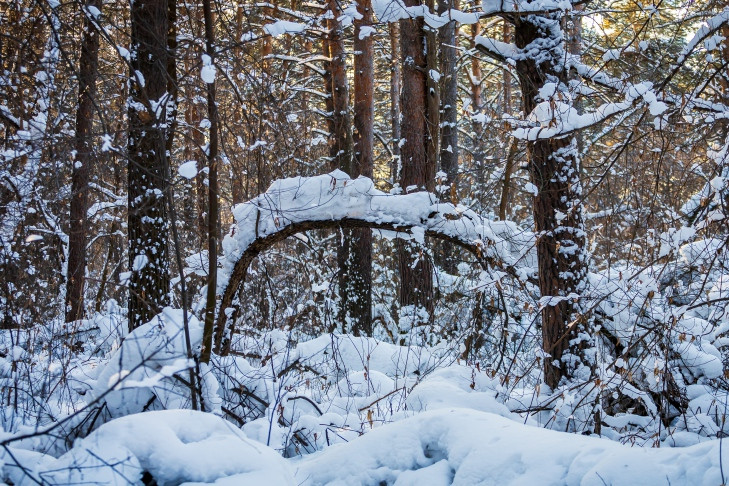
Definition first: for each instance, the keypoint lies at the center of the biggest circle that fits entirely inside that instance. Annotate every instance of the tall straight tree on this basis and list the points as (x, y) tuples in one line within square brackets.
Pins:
[(395, 83), (340, 151), (554, 169), (418, 170), (449, 92), (357, 301), (88, 72), (148, 223), (448, 157), (354, 294), (213, 211)]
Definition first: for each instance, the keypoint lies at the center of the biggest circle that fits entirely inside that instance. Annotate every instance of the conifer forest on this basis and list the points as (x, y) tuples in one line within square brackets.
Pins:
[(364, 242)]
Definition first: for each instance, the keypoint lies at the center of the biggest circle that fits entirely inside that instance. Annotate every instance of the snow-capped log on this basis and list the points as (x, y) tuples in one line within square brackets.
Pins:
[(334, 200)]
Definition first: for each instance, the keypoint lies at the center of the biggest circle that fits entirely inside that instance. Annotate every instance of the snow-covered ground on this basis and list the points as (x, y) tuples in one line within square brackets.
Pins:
[(451, 445), (290, 408)]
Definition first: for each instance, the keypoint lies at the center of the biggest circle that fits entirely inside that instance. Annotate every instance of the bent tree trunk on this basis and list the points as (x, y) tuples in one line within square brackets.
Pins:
[(334, 202), (554, 169)]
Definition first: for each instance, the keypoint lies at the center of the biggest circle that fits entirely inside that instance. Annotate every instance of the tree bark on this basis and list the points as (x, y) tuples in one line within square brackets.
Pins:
[(341, 143), (514, 144), (449, 95), (445, 255), (395, 85), (476, 102), (554, 169), (418, 171), (147, 219), (357, 290), (88, 72), (213, 211)]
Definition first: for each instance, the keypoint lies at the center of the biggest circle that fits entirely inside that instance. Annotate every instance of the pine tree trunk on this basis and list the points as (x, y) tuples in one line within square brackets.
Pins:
[(358, 288), (476, 103), (88, 71), (418, 172), (514, 144), (341, 142), (449, 94), (148, 223), (213, 211), (395, 84), (445, 253), (555, 171)]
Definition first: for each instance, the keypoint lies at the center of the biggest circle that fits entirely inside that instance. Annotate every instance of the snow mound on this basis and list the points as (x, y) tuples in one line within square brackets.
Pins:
[(140, 374), (467, 447), (173, 447)]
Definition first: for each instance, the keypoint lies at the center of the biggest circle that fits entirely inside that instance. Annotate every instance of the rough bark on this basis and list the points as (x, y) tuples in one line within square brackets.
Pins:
[(448, 88), (147, 218), (352, 285), (554, 169), (418, 171), (88, 72), (514, 144), (395, 84), (341, 141), (213, 211), (357, 291), (449, 94), (476, 101)]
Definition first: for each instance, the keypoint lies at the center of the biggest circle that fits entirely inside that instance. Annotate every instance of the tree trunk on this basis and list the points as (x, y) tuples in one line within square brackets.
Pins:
[(555, 171), (213, 211), (444, 253), (514, 144), (449, 95), (476, 103), (358, 288), (148, 224), (88, 71), (395, 84), (418, 172), (341, 143)]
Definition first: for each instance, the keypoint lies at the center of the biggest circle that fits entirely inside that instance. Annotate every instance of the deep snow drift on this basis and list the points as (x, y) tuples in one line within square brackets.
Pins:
[(448, 446)]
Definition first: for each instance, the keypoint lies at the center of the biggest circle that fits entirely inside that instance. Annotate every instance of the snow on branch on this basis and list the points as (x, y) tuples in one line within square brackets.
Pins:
[(332, 200), (707, 29), (524, 6)]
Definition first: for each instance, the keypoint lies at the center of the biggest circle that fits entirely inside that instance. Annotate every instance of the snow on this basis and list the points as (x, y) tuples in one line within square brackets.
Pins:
[(455, 432), (142, 368), (336, 196), (496, 6), (378, 412), (207, 72), (394, 10), (188, 170), (365, 31), (281, 27), (174, 446), (465, 447)]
